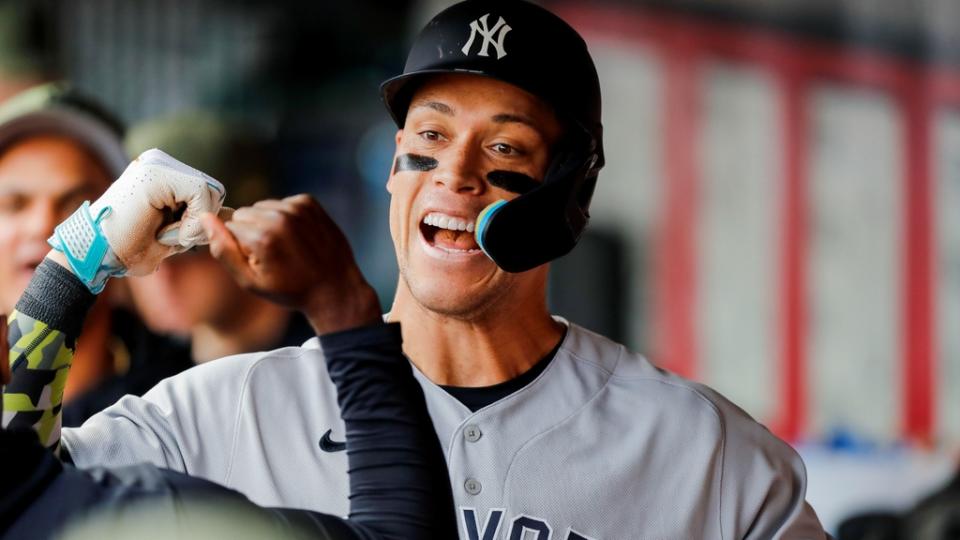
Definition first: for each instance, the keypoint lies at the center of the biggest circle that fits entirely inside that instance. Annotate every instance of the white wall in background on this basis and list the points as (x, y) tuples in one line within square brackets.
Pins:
[(628, 193), (946, 192), (738, 235), (855, 261)]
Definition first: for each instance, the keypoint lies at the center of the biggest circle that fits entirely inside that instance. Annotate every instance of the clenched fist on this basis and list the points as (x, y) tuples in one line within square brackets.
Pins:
[(152, 188), (148, 214), (292, 253)]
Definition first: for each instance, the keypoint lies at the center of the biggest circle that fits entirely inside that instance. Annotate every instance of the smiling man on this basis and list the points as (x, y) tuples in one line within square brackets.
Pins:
[(549, 431), (460, 136)]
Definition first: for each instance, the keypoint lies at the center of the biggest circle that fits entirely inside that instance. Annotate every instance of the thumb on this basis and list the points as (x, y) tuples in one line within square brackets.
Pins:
[(225, 248), (170, 235), (213, 224), (198, 202)]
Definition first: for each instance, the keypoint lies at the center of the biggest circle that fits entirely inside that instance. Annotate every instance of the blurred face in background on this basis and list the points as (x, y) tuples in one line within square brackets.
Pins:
[(43, 179), (188, 289)]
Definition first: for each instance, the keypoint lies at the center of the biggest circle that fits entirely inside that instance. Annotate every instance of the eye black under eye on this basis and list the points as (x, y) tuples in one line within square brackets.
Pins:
[(512, 181), (414, 162)]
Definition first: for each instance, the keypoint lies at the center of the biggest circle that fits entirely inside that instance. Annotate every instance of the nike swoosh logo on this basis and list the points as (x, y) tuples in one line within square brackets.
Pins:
[(329, 445)]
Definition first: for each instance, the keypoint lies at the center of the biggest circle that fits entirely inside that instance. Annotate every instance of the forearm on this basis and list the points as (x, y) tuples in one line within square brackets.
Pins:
[(42, 336), (399, 483)]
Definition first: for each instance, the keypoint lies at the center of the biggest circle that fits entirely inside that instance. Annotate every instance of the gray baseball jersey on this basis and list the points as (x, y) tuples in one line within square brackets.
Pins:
[(602, 445)]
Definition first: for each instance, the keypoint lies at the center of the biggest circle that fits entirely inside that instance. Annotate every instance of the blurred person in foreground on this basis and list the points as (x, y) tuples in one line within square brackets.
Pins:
[(549, 430), (57, 149), (192, 296)]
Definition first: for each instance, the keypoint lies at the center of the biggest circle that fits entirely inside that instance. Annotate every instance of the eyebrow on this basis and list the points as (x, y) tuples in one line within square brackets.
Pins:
[(505, 118), (442, 108), (88, 185), (502, 118), (80, 190)]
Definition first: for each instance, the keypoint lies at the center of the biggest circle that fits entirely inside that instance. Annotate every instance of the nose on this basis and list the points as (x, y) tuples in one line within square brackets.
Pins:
[(41, 219), (459, 170)]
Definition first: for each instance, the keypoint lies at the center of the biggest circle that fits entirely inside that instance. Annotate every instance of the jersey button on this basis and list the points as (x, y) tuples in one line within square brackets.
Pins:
[(472, 486), (472, 433)]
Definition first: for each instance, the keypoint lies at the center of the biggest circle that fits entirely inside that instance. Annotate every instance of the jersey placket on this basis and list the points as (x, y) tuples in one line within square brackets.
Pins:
[(482, 446)]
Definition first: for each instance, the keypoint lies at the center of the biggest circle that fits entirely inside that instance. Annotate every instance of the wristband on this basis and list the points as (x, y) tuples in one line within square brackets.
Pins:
[(80, 238)]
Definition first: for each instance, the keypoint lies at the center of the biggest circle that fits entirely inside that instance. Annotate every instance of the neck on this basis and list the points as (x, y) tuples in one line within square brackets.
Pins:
[(476, 351), (258, 325)]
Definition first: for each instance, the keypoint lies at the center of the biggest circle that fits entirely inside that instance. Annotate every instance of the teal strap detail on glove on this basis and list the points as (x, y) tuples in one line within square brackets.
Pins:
[(80, 238)]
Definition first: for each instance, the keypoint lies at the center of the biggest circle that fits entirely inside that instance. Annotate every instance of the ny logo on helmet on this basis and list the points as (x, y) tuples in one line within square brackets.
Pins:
[(479, 26)]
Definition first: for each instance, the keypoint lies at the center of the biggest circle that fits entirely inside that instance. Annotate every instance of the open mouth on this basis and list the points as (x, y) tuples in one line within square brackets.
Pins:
[(449, 233), (24, 272), (30, 267)]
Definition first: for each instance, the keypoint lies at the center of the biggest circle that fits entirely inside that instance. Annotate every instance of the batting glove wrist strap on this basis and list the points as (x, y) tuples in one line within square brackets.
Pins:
[(80, 238)]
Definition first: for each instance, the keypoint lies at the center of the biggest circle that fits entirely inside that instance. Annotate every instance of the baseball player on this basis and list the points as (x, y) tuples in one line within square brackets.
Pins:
[(549, 431)]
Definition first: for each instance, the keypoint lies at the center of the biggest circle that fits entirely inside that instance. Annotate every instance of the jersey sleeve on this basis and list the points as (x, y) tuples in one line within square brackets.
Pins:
[(764, 482), (41, 336), (186, 423)]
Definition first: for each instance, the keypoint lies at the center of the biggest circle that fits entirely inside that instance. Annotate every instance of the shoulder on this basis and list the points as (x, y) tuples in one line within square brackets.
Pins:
[(192, 421), (758, 477), (240, 371), (635, 384), (633, 375)]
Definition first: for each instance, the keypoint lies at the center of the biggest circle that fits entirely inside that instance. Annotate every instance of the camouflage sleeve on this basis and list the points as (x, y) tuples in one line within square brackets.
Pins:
[(41, 335)]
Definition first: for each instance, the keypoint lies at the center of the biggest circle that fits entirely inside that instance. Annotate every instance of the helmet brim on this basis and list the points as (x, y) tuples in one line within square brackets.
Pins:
[(96, 137)]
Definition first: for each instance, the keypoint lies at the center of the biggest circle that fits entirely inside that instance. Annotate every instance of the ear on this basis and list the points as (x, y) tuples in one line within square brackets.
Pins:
[(397, 139)]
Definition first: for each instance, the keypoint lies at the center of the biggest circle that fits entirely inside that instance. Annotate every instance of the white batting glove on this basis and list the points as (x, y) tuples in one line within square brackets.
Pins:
[(124, 231)]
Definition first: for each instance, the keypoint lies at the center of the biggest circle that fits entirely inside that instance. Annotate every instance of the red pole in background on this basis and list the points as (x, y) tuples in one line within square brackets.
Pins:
[(919, 392), (792, 416), (676, 273)]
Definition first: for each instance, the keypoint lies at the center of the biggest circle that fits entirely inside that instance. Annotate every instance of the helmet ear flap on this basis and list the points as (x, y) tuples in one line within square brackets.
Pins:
[(543, 224), (585, 193), (576, 160), (528, 231)]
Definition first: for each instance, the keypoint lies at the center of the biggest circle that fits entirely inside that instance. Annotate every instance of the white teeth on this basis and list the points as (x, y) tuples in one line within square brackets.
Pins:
[(444, 221)]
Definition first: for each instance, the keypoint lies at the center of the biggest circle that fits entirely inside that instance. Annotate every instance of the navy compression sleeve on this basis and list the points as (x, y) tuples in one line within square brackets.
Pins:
[(399, 486)]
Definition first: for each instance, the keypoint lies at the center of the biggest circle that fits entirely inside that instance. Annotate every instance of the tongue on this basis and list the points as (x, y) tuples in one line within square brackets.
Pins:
[(455, 240)]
